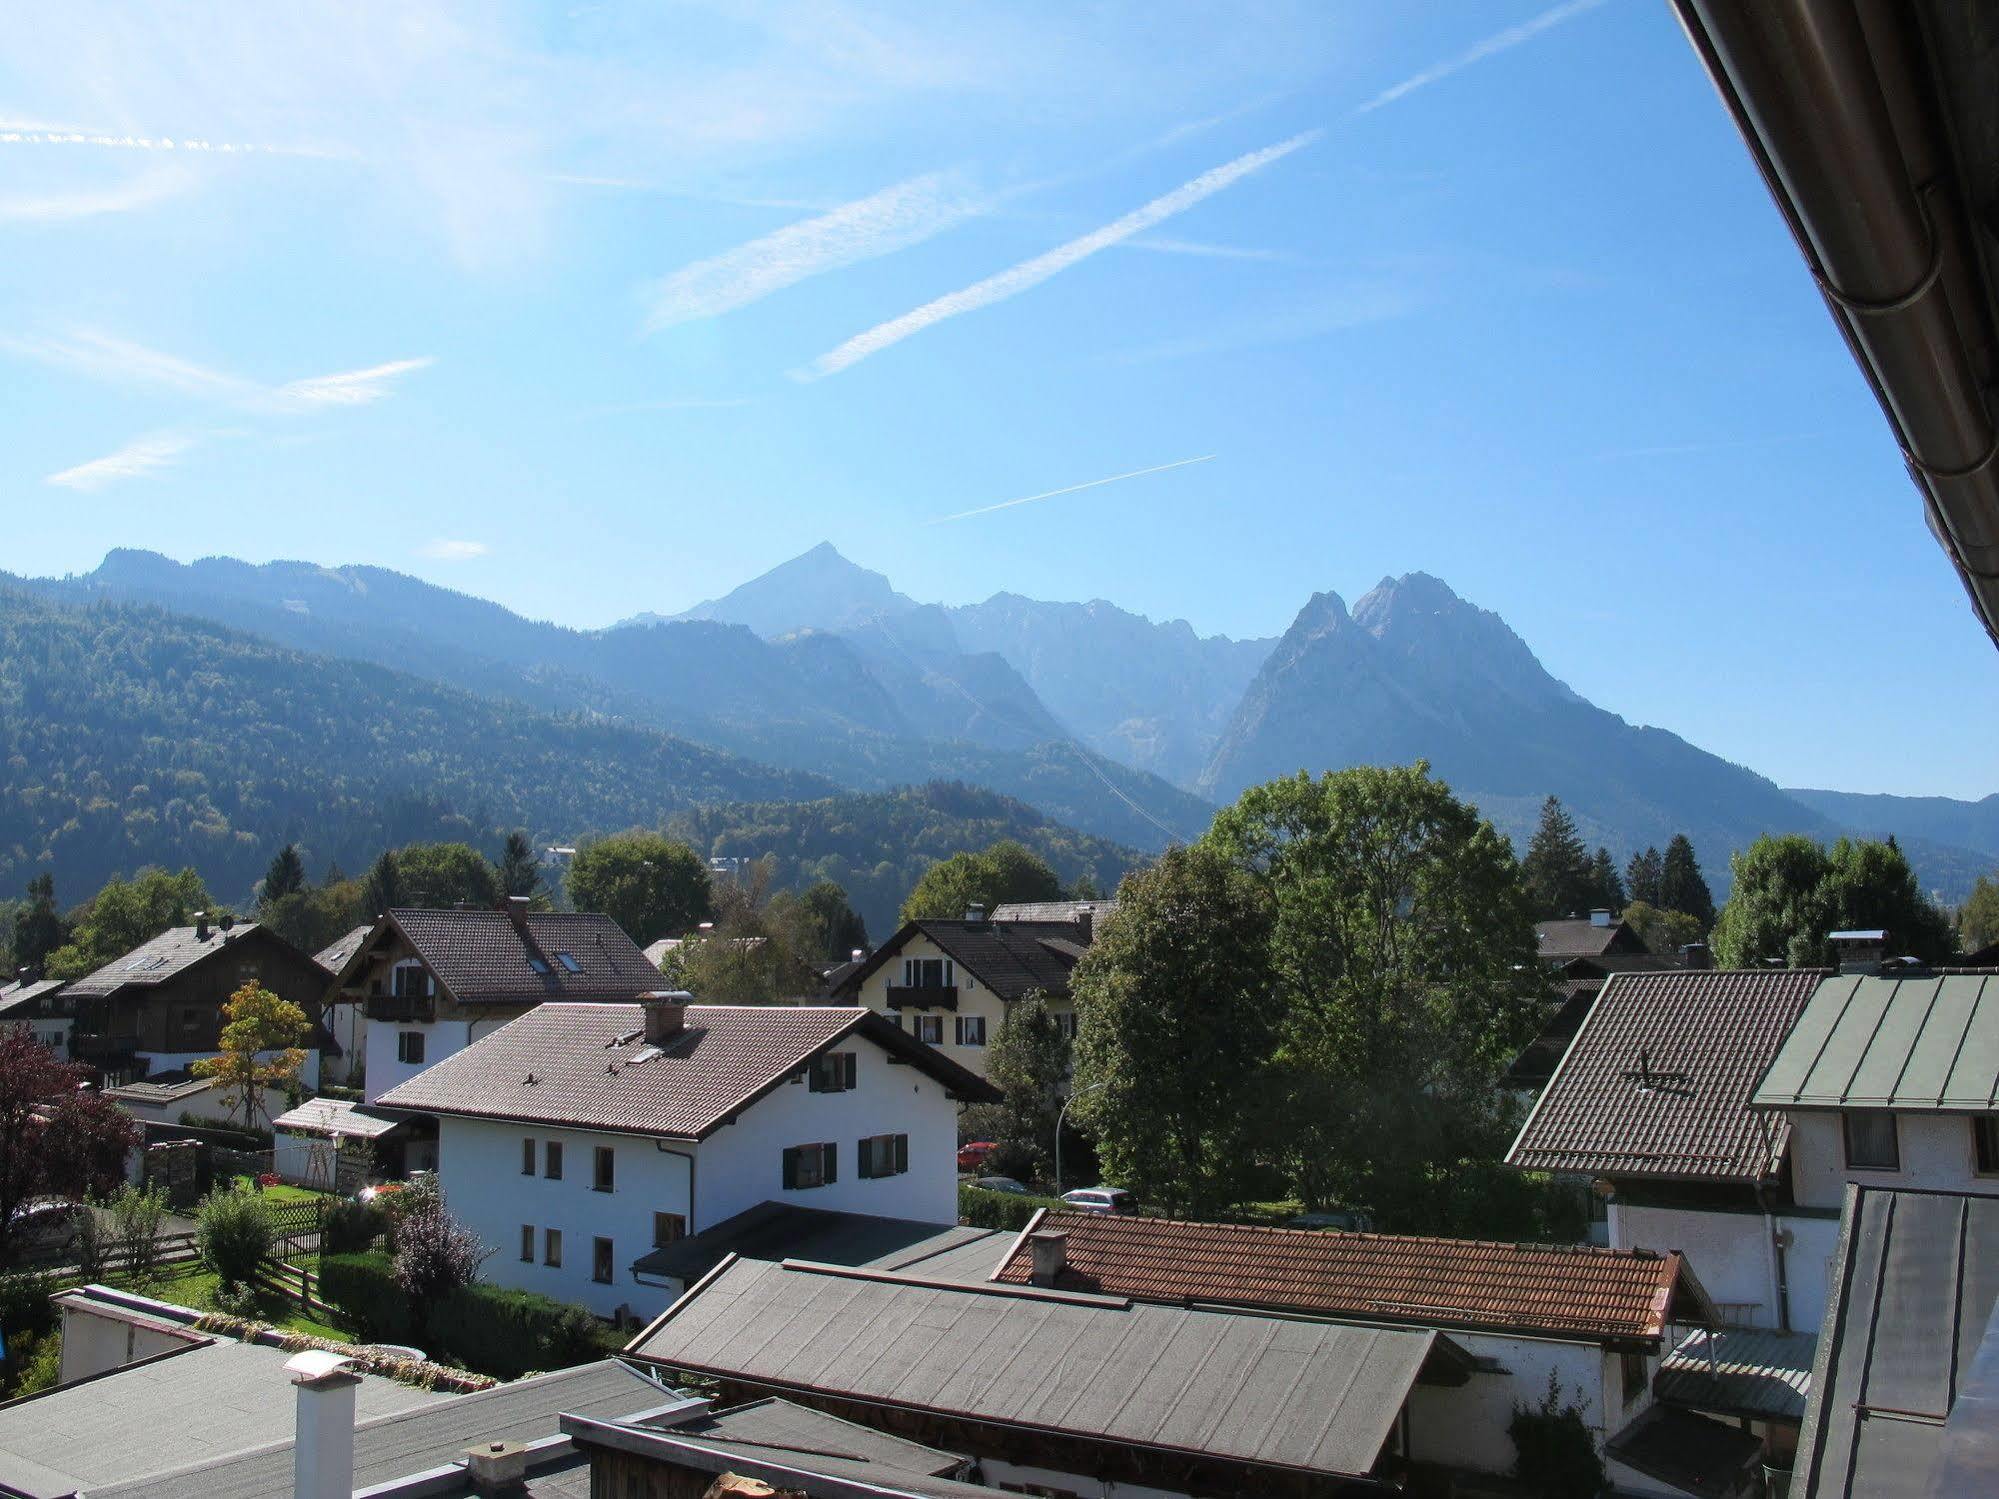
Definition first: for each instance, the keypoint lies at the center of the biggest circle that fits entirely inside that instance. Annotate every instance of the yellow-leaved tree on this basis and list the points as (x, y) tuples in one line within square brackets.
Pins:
[(260, 1050)]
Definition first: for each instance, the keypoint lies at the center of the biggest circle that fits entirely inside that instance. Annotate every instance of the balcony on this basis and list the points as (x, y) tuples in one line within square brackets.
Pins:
[(406, 1009), (94, 1047), (923, 996)]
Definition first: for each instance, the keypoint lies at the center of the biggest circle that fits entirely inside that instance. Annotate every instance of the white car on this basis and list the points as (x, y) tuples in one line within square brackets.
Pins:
[(46, 1225), (1101, 1200)]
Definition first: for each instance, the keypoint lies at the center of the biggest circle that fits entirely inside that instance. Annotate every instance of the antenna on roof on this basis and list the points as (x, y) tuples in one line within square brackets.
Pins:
[(1656, 1082)]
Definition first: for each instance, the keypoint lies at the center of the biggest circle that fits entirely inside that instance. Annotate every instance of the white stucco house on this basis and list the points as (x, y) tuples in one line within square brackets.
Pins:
[(579, 1137), (422, 985)]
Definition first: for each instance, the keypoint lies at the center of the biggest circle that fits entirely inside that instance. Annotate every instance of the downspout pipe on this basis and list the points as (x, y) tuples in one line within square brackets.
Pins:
[(1828, 95)]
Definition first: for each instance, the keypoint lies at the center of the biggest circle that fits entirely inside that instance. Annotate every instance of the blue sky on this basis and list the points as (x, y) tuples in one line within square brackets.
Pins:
[(599, 308)]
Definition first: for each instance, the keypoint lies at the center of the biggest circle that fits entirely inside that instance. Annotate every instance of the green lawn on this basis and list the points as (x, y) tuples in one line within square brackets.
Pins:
[(283, 1192), (195, 1285)]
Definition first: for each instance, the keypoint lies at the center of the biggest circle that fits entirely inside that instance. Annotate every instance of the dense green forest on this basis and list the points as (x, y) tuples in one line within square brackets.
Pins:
[(876, 845), (132, 737)]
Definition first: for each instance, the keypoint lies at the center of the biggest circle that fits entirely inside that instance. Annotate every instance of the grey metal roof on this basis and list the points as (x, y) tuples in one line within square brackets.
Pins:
[(173, 952), (337, 1116), (1740, 1371), (1914, 1282), (1053, 910), (1313, 1395), (1881, 1042), (17, 995), (776, 1426), (334, 957), (388, 1446), (155, 1417), (780, 1230)]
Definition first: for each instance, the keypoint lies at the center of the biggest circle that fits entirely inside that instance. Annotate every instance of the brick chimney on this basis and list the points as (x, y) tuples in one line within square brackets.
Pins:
[(517, 911), (1050, 1248), (1086, 924), (495, 1469), (1696, 955), (665, 1014)]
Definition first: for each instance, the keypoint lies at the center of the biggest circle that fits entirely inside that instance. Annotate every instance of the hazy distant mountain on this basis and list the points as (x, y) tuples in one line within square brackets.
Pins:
[(1416, 672), (817, 590), (1156, 696), (1973, 826)]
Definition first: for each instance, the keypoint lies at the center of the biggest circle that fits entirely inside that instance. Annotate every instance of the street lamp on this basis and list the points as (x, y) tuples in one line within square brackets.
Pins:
[(1061, 1114)]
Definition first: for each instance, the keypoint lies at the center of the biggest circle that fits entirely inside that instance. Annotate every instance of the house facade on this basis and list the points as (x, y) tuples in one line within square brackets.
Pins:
[(40, 1007), (580, 1137), (948, 982), (345, 1015), (158, 1009), (429, 983)]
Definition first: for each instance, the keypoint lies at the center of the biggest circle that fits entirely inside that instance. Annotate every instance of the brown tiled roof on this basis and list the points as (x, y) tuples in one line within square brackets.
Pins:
[(1541, 1056), (1462, 1284), (483, 957), (1703, 1038), (174, 951), (1579, 937), (1012, 958), (588, 1066)]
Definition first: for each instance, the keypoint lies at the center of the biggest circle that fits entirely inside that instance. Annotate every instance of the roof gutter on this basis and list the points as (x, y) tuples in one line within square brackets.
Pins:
[(1834, 103)]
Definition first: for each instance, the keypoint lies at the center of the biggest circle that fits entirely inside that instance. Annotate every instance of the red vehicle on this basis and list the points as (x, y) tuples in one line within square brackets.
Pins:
[(973, 1155)]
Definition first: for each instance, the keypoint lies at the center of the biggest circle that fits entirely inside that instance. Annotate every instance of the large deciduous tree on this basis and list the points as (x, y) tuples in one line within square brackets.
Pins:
[(1978, 917), (1403, 944), (1557, 867), (1790, 892), (260, 1050), (125, 913), (839, 926), (440, 875), (1682, 887), (57, 1138), (1029, 1062), (1001, 873), (1177, 1012), (650, 885)]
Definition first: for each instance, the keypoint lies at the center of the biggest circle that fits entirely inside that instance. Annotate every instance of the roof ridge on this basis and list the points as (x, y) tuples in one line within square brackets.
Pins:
[(1330, 1235)]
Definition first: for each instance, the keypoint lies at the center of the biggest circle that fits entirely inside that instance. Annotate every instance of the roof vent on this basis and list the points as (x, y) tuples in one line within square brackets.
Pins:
[(497, 1468), (1599, 917), (1859, 951)]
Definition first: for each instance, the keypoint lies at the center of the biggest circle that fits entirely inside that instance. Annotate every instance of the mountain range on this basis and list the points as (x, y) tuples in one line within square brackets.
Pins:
[(1091, 716)]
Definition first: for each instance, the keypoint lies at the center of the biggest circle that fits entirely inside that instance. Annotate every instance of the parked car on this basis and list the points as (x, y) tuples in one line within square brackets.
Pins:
[(46, 1225), (1101, 1200), (972, 1155), (1354, 1220), (1003, 1184)]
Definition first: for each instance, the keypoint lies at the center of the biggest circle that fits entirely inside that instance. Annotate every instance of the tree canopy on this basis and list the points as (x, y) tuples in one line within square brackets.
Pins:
[(260, 1050), (1002, 872), (1177, 1017), (1557, 870), (1028, 1060), (1789, 892), (520, 866), (38, 926), (1404, 948), (1642, 875), (649, 884), (57, 1137), (286, 876), (125, 913), (440, 875), (1978, 917), (1682, 887)]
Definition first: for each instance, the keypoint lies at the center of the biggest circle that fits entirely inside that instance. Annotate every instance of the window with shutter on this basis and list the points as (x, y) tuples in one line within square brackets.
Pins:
[(829, 1156), (901, 1154), (527, 1243), (790, 1168), (527, 1158), (833, 1073), (551, 1248), (600, 1261), (552, 1160)]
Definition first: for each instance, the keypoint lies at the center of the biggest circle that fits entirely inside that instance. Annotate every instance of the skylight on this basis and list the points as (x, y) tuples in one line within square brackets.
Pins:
[(568, 962), (538, 963)]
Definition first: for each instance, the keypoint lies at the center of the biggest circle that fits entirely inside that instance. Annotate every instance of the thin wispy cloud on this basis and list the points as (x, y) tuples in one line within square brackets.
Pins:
[(348, 388), (1354, 307), (1049, 494), (1499, 42), (892, 219), (1160, 244), (446, 549), (138, 459), (1031, 273), (142, 191), (21, 133), (119, 361)]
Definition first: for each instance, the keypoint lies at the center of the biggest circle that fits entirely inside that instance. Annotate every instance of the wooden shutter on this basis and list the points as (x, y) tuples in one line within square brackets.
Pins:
[(901, 1154), (848, 1069), (865, 1161), (790, 1167), (958, 1029), (829, 1155)]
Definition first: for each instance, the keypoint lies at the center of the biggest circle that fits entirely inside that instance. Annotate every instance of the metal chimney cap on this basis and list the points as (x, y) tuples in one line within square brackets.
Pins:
[(320, 1366)]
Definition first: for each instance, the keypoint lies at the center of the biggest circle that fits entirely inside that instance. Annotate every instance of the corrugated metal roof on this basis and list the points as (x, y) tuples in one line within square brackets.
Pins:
[(336, 1116), (1882, 1042), (1658, 1080), (1740, 1371), (590, 1067), (1318, 1396), (1552, 1290), (777, 1427), (1913, 1287)]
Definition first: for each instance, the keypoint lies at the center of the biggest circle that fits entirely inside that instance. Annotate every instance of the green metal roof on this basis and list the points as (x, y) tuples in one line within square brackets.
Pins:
[(1928, 1043)]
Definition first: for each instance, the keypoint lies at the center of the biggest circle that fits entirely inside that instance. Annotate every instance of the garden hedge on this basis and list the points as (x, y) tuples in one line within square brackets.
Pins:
[(363, 1288), (505, 1332), (1002, 1210)]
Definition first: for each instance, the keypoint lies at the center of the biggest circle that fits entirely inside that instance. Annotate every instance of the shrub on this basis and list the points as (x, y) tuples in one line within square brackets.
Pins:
[(435, 1253), (136, 1214), (364, 1289), (1002, 1210), (1554, 1452), (507, 1333), (34, 1363), (235, 1233), (350, 1226)]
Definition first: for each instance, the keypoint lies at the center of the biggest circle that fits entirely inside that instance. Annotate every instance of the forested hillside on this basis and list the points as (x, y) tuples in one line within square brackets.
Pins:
[(877, 844), (131, 736)]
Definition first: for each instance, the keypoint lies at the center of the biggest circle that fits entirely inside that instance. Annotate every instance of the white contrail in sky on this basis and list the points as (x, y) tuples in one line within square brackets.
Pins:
[(1513, 36), (1030, 273), (1029, 499), (28, 133), (892, 219)]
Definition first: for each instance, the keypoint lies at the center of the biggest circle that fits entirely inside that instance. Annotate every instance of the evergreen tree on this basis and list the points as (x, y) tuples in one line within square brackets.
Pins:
[(1606, 889), (1681, 886), (383, 889), (38, 927), (285, 877), (520, 868), (841, 929), (1642, 876), (1557, 867)]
